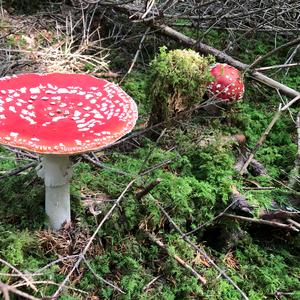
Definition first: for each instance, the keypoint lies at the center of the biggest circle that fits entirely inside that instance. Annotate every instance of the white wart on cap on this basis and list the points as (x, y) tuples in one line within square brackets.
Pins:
[(63, 113)]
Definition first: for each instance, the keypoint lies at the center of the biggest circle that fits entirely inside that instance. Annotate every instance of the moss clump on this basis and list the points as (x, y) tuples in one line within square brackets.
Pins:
[(178, 80)]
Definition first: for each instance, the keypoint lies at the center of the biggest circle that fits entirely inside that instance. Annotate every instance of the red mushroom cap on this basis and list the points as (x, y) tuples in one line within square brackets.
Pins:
[(227, 85), (63, 113)]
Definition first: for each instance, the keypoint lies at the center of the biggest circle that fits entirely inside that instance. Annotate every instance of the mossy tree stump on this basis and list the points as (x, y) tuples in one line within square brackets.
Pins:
[(178, 81)]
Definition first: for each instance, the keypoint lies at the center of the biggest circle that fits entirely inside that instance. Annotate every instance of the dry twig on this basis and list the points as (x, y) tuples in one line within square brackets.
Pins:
[(148, 189), (294, 180), (26, 278), (261, 140), (202, 252), (18, 170), (6, 289), (263, 222), (266, 132), (158, 242)]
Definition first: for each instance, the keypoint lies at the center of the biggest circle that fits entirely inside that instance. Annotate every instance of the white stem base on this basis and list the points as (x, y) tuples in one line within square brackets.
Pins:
[(57, 205), (56, 173)]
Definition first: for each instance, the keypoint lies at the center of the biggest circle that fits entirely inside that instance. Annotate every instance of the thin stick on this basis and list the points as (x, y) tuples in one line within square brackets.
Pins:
[(264, 222), (5, 294), (157, 166), (288, 44), (149, 5), (291, 103), (148, 285), (277, 67), (291, 57), (16, 275), (54, 263), (261, 188), (7, 288), (211, 221), (202, 252), (148, 189), (294, 179), (23, 276), (176, 257), (137, 52), (84, 251), (261, 140), (266, 132), (20, 152), (144, 163), (18, 170), (293, 222), (52, 283), (100, 278), (101, 165)]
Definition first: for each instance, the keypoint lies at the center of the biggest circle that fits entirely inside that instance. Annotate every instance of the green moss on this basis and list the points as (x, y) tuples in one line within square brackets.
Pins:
[(22, 201), (178, 80), (135, 85), (195, 188)]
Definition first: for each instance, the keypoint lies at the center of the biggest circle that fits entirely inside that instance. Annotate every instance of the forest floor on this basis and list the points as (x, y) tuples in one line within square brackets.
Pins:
[(180, 239)]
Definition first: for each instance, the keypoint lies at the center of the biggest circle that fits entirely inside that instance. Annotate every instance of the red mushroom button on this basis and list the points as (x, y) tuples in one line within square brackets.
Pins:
[(58, 115), (227, 84)]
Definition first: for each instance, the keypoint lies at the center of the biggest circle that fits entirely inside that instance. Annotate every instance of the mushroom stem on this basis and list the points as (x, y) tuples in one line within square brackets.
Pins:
[(56, 172)]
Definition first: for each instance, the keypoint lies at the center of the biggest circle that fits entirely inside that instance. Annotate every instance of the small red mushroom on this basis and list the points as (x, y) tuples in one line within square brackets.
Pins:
[(227, 84), (58, 115)]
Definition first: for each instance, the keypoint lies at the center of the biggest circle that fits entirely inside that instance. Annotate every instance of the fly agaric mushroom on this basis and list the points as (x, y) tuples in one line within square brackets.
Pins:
[(227, 84), (58, 115)]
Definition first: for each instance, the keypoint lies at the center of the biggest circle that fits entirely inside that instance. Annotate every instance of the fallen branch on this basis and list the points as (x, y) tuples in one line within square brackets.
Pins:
[(153, 238), (206, 49), (223, 57), (263, 222), (278, 214)]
